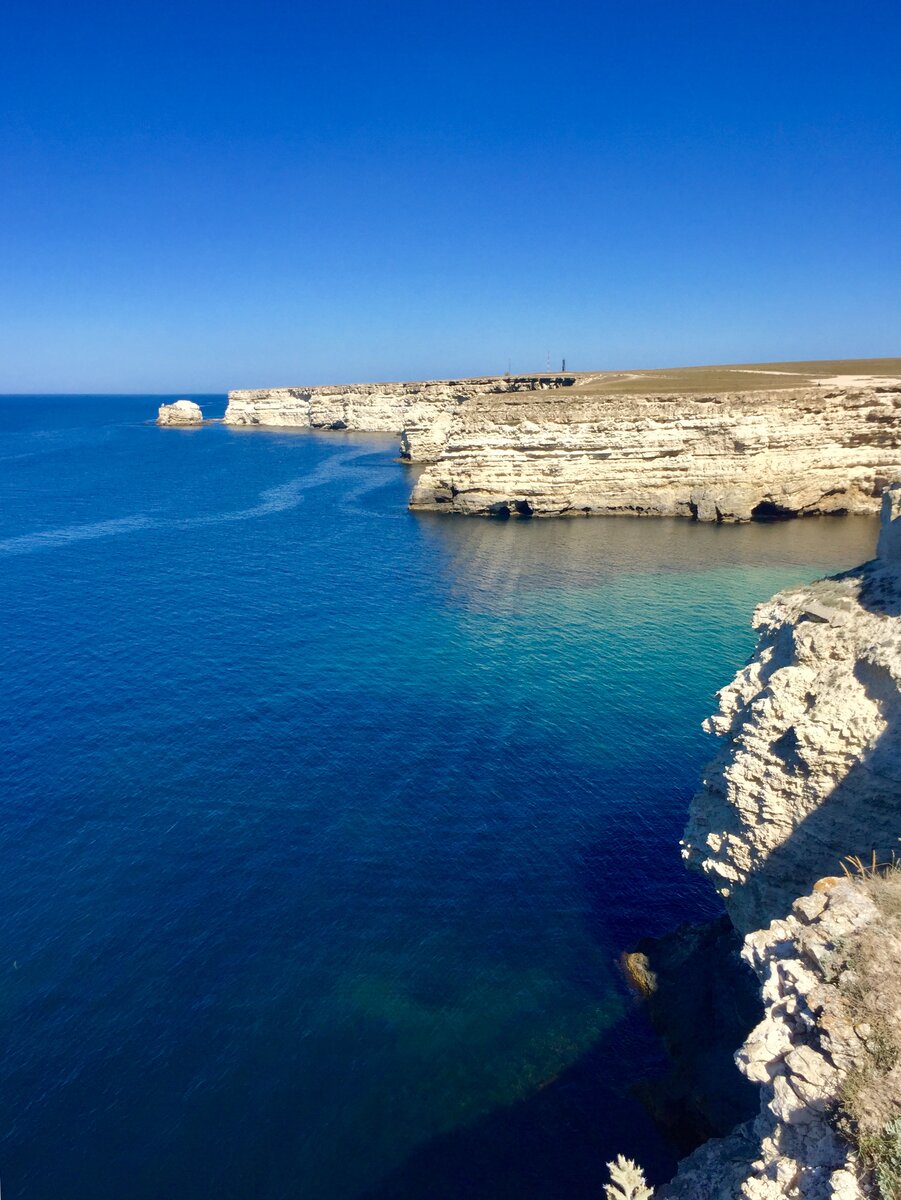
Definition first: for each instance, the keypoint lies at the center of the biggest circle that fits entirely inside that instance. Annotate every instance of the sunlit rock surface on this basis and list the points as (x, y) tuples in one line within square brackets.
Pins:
[(810, 769), (800, 1054), (182, 412), (718, 457), (420, 412)]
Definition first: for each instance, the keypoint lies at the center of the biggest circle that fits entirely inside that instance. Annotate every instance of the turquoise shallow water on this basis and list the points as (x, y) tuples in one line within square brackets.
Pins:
[(325, 823)]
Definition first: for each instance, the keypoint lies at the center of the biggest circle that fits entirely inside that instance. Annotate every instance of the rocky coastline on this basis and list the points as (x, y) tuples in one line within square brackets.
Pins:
[(760, 1011), (576, 445), (418, 412), (181, 412), (719, 457), (796, 824)]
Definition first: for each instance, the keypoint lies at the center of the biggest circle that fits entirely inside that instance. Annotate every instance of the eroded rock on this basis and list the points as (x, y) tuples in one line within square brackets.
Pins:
[(182, 412), (810, 770), (720, 457)]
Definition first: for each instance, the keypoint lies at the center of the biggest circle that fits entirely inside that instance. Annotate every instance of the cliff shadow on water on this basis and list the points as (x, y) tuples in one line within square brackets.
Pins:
[(551, 1145), (654, 1086)]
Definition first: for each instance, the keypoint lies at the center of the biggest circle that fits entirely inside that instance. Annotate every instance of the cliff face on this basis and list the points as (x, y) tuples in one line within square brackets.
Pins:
[(810, 773), (811, 767), (728, 456), (422, 409), (809, 1044)]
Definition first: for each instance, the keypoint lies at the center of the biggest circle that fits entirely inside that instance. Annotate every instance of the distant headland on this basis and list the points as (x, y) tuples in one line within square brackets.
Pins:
[(718, 443)]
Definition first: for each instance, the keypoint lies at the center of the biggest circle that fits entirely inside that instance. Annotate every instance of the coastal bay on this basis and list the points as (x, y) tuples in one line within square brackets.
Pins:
[(269, 871)]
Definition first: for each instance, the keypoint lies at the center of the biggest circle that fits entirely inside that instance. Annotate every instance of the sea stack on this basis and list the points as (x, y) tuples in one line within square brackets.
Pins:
[(182, 412)]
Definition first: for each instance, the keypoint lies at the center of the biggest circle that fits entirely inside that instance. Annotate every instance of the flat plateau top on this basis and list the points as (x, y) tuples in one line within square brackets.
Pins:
[(729, 377), (743, 377)]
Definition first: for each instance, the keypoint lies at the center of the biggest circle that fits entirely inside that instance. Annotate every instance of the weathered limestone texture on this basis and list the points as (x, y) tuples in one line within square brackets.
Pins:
[(800, 1054), (422, 410), (717, 457), (811, 767), (182, 412)]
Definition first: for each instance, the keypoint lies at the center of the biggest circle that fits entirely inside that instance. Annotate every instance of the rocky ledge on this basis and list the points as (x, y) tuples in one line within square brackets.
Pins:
[(182, 412), (811, 766), (718, 457), (808, 780), (821, 1055)]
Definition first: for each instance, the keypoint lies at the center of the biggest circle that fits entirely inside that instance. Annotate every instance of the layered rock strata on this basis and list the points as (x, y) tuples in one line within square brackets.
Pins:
[(811, 767), (182, 412), (422, 411), (721, 457), (801, 1054)]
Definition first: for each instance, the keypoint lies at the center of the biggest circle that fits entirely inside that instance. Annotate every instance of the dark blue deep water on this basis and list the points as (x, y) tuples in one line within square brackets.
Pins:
[(323, 824)]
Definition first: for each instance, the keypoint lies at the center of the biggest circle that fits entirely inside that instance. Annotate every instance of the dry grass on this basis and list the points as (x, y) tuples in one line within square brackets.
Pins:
[(738, 377), (871, 1096)]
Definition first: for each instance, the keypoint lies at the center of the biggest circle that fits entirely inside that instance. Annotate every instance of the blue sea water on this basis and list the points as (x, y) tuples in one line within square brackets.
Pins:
[(324, 823)]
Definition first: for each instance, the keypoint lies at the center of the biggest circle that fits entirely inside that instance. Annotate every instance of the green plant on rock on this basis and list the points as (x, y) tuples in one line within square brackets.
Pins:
[(881, 1153), (627, 1181)]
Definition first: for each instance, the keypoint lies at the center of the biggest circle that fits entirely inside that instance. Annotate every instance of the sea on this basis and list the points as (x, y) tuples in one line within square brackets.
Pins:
[(324, 822)]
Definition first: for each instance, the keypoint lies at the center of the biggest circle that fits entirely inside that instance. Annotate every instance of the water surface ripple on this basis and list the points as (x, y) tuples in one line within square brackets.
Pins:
[(324, 823)]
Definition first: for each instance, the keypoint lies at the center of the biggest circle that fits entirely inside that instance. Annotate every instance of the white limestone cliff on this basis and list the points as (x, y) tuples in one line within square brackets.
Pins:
[(810, 769), (421, 412), (723, 456), (809, 774), (810, 1042), (182, 412)]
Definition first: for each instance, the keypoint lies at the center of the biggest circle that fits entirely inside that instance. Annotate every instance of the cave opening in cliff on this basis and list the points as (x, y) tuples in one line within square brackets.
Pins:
[(768, 510), (523, 508)]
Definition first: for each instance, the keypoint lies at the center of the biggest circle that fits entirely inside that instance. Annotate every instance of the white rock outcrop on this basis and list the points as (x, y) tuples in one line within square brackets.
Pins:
[(800, 1054), (810, 773), (182, 412), (810, 770), (723, 456), (421, 412)]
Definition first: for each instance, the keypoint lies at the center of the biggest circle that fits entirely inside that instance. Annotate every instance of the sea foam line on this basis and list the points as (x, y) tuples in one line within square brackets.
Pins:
[(279, 498)]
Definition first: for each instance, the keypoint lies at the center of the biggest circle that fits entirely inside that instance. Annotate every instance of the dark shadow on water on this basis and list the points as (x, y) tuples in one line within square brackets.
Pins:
[(555, 1143), (552, 1145)]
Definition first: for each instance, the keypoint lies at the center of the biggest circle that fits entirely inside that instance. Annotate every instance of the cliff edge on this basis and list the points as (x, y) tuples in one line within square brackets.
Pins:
[(826, 1056), (807, 783), (810, 769), (725, 456)]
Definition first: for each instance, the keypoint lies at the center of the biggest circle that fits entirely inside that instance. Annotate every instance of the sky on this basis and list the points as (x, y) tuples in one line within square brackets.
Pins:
[(201, 195)]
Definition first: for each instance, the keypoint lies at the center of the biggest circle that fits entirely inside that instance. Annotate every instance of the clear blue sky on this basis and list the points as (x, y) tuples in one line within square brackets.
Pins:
[(203, 195)]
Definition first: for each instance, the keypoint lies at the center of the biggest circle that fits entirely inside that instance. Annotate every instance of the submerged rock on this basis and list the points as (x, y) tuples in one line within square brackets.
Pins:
[(702, 1001), (182, 412)]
